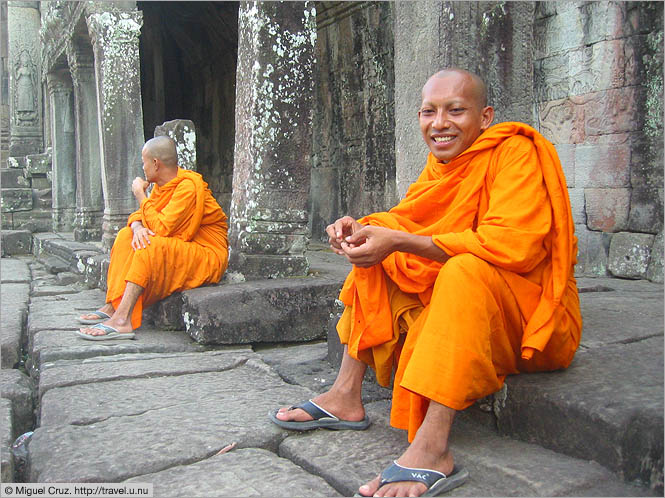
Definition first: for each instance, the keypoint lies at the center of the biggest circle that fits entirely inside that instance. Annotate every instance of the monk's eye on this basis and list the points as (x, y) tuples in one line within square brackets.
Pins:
[(426, 112), (457, 110)]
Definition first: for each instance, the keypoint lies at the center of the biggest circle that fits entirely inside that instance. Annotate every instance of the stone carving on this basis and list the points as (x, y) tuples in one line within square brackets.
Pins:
[(25, 74)]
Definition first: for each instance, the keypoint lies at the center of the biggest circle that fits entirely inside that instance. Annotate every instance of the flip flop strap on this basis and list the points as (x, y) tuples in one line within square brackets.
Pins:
[(104, 328), (314, 410), (398, 473)]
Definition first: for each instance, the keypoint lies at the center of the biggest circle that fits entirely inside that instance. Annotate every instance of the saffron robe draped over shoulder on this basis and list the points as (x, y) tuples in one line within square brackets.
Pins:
[(189, 248), (503, 205)]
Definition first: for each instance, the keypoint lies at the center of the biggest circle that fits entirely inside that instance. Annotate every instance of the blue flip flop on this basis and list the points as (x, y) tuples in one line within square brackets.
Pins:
[(437, 482), (109, 334), (322, 419)]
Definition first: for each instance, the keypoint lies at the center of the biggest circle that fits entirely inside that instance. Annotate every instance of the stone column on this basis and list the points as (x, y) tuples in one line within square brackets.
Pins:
[(25, 86), (63, 140), (89, 200), (115, 38), (271, 172)]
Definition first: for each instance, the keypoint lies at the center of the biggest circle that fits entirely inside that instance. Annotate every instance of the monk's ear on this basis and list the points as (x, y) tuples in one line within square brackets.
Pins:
[(487, 116)]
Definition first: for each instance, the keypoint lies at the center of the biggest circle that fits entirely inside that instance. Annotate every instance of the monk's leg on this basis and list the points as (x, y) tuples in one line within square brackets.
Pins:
[(121, 319), (428, 450), (344, 399), (469, 341)]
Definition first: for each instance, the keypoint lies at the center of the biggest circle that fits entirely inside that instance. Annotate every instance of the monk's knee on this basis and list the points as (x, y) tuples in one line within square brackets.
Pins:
[(464, 266), (124, 236)]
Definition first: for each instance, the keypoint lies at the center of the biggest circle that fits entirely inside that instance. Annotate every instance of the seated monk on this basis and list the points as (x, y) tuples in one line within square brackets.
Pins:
[(174, 242), (467, 280)]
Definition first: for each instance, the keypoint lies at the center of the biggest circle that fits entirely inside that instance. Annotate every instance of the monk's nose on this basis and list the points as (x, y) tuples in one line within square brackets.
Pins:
[(441, 121)]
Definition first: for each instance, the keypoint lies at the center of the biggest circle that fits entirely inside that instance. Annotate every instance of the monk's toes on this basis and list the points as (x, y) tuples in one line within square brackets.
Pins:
[(370, 488)]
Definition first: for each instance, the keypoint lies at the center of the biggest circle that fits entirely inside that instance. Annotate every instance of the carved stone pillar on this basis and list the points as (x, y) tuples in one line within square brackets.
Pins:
[(63, 142), (271, 172), (89, 199), (25, 85), (115, 39)]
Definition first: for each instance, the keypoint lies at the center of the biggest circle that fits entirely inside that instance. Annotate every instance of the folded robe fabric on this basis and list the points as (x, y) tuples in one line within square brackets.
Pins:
[(189, 248), (491, 201)]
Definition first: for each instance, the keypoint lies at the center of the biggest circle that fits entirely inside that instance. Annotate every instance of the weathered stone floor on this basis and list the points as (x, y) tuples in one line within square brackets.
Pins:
[(161, 408)]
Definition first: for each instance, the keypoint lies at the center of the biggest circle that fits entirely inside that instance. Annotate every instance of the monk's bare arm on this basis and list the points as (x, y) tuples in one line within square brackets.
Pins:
[(371, 245)]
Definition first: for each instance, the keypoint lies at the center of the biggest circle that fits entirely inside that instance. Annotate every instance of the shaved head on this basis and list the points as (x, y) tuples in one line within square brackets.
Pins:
[(477, 85), (162, 148)]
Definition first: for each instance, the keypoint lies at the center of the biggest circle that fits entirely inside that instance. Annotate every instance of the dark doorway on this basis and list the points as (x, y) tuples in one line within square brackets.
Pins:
[(188, 71)]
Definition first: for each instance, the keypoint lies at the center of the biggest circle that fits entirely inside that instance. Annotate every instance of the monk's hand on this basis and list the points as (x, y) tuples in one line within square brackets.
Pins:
[(369, 246), (139, 186), (339, 230), (141, 236)]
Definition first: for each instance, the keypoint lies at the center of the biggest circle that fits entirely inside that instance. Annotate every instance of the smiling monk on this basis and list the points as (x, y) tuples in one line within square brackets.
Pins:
[(175, 241), (467, 280)]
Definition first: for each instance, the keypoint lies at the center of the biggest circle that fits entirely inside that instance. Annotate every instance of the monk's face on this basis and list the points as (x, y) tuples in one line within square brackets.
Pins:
[(452, 115), (149, 166)]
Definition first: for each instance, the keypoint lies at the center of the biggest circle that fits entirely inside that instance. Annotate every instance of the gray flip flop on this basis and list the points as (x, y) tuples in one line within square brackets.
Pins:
[(101, 316), (109, 334), (437, 482), (322, 419)]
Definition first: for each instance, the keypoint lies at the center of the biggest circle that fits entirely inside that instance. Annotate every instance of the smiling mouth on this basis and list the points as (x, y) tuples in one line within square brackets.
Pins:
[(442, 139)]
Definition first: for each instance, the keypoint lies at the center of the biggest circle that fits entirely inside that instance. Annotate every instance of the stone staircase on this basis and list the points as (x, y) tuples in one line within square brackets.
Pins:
[(594, 429)]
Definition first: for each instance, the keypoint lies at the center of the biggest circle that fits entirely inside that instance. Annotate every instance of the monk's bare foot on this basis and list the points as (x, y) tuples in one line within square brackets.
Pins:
[(342, 405), (121, 326), (107, 308), (422, 454)]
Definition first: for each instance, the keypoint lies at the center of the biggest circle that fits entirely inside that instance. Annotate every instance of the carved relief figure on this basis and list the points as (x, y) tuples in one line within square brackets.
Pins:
[(26, 90)]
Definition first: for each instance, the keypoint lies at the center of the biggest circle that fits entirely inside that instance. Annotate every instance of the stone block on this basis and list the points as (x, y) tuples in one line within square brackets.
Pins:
[(183, 132), (273, 310), (67, 278), (92, 268), (566, 153), (36, 220), (576, 196), (37, 164), (589, 412), (646, 210), (593, 250), (41, 183), (54, 264), (167, 313), (14, 308), (16, 199), (646, 162), (15, 271), (602, 21), (557, 34), (562, 121), (602, 165), (629, 254), (655, 268), (607, 209), (13, 178), (16, 242), (16, 387)]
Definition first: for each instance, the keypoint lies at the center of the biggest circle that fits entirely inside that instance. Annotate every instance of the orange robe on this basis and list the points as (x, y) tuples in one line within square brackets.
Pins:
[(189, 248), (506, 301)]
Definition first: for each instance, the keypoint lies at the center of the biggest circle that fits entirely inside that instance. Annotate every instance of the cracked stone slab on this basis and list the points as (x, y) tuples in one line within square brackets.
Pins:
[(14, 271), (64, 373), (155, 424), (53, 290), (307, 365), (607, 407), (244, 472), (16, 387), (619, 316), (498, 466), (52, 345)]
